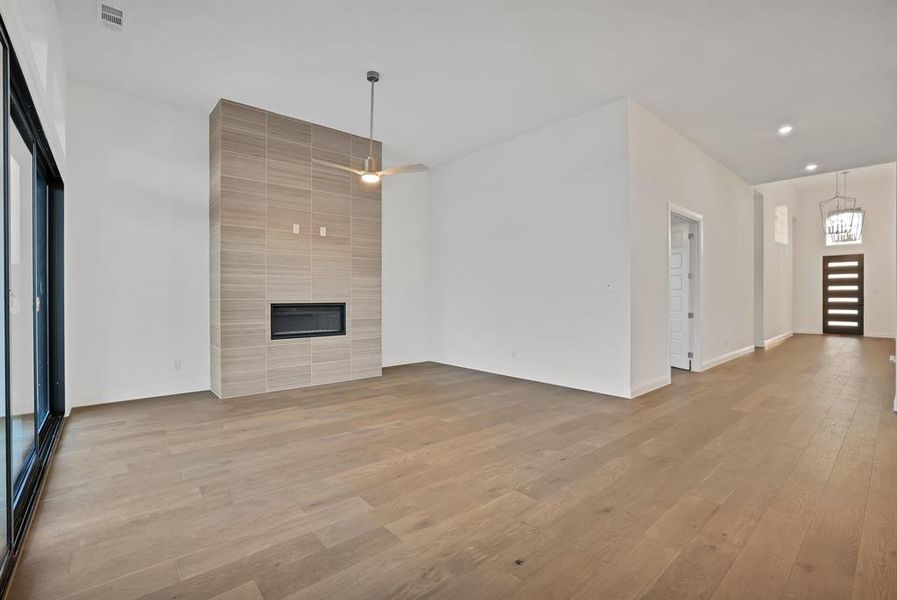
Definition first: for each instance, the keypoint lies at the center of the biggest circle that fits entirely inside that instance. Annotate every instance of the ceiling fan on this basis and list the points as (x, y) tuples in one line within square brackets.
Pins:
[(371, 173)]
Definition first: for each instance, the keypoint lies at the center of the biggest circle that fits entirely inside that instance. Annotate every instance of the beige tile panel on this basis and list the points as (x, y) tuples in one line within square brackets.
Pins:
[(215, 184), (242, 202), (289, 364), (242, 239), (330, 289), (288, 378), (242, 284), (364, 308), (243, 371), (329, 179), (215, 364), (289, 198), (323, 202), (365, 232), (330, 266), (289, 152), (366, 267), (285, 241), (364, 329), (280, 222), (215, 308), (366, 366), (289, 288), (283, 263), (366, 348), (292, 174), (239, 117), (242, 310), (329, 246), (337, 225), (242, 384), (330, 372), (242, 335), (243, 143), (365, 286), (330, 348), (234, 260), (363, 208), (215, 334), (365, 251), (283, 354), (285, 128), (365, 371), (242, 166), (330, 139)]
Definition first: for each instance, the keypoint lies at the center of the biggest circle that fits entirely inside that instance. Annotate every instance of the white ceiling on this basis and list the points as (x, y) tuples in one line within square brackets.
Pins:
[(458, 76)]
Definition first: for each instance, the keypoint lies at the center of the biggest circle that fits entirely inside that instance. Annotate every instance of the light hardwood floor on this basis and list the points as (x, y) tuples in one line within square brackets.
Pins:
[(773, 476)]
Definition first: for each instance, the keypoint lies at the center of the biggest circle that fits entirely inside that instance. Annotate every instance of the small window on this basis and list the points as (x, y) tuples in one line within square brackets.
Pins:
[(781, 224), (844, 227)]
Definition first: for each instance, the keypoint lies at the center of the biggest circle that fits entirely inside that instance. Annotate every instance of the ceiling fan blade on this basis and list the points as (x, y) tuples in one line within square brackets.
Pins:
[(337, 166), (404, 169)]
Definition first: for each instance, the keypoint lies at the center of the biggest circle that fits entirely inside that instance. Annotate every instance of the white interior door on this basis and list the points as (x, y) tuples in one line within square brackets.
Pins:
[(680, 262)]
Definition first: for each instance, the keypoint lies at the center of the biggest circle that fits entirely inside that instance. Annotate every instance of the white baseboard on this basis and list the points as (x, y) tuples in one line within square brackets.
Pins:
[(718, 360), (110, 396), (650, 385), (775, 340), (872, 334)]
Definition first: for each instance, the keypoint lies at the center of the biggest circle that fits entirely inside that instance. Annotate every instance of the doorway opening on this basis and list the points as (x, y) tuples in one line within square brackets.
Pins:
[(684, 289)]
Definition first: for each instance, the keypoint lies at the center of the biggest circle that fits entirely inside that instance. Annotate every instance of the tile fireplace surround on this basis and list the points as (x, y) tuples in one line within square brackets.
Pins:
[(263, 186)]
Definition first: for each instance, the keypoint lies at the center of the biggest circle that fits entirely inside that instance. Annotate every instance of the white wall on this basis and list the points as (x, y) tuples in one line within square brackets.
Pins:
[(665, 167), (778, 264), (875, 189), (526, 238), (406, 224), (137, 256)]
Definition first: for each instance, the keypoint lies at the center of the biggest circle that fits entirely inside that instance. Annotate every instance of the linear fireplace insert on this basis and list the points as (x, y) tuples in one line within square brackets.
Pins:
[(307, 320)]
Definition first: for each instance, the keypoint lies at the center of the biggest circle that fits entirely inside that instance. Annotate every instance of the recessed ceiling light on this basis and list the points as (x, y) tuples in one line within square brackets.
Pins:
[(786, 130), (811, 167)]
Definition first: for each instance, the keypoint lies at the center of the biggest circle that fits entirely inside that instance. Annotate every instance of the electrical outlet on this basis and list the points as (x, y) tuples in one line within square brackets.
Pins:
[(323, 232), (296, 228), (177, 365)]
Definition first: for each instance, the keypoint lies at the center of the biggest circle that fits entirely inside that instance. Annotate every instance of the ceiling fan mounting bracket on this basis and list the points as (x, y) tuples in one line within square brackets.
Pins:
[(373, 76)]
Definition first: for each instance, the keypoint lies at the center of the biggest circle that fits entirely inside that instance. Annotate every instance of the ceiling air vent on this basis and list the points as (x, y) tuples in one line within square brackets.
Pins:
[(111, 17)]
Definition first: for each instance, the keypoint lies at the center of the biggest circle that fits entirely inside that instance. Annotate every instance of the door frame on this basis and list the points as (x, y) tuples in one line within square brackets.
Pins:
[(696, 297)]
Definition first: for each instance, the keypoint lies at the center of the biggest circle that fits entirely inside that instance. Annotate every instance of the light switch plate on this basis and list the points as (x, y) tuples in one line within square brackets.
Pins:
[(295, 228), (323, 232)]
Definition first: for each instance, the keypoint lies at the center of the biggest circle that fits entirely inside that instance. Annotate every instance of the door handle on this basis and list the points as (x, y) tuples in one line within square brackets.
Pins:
[(37, 304)]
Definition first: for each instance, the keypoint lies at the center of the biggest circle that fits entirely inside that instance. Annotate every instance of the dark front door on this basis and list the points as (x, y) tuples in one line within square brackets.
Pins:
[(842, 294)]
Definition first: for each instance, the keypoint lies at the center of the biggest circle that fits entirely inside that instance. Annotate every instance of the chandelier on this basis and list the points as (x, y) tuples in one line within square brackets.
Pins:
[(842, 219)]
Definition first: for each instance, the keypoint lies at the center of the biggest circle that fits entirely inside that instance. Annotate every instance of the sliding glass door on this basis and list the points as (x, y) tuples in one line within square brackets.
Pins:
[(20, 271), (31, 322)]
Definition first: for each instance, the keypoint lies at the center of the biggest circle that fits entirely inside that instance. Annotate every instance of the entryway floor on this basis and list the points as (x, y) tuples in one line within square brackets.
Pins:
[(774, 475)]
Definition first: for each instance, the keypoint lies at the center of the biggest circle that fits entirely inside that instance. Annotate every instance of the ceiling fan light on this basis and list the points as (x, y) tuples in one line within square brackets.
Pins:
[(369, 177)]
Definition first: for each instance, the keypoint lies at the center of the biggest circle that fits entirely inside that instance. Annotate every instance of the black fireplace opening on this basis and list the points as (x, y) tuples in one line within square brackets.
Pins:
[(307, 320)]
